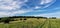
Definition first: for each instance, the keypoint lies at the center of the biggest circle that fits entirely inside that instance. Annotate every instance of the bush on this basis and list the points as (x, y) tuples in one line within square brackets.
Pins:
[(25, 19), (5, 19), (37, 18), (20, 18)]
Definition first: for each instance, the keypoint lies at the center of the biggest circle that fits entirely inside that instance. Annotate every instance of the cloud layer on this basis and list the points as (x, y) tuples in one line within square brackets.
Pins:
[(14, 7)]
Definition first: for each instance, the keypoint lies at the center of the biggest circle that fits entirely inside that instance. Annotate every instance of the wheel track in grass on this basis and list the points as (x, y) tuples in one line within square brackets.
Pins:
[(37, 26), (47, 22), (58, 23), (43, 23), (40, 23), (51, 21), (49, 25)]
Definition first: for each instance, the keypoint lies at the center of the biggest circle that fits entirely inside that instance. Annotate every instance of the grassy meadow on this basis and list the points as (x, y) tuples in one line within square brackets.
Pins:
[(32, 23)]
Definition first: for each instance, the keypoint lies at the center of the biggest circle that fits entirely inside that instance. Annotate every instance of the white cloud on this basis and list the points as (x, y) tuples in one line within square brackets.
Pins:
[(55, 14), (20, 12), (47, 3), (2, 14), (14, 5), (37, 7), (11, 4)]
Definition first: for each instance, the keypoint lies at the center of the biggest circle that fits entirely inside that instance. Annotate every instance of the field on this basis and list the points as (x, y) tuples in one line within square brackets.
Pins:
[(33, 23)]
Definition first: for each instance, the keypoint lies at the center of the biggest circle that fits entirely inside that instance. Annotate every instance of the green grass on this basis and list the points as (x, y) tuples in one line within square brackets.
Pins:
[(33, 23)]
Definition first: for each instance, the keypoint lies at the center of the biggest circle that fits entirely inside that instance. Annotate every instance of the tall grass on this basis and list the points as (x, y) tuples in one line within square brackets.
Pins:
[(33, 23)]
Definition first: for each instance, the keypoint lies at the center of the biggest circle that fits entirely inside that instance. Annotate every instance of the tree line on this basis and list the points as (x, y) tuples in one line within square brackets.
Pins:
[(8, 19)]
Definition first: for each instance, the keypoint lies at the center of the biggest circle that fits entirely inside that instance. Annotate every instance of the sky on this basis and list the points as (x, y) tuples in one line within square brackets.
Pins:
[(46, 8)]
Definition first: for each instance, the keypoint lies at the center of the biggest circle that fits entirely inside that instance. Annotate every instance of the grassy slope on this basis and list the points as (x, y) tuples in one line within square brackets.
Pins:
[(33, 23)]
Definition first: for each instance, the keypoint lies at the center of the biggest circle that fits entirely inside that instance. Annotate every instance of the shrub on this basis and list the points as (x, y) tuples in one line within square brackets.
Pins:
[(25, 19), (37, 18), (20, 18), (5, 19)]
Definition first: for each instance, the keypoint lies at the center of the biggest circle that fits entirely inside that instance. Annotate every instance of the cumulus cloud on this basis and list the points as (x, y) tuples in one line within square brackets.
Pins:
[(20, 12), (43, 4), (37, 7), (47, 3), (2, 14), (9, 5), (12, 5)]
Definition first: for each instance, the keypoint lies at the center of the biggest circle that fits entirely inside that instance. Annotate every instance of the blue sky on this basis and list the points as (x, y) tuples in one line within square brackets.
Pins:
[(46, 8)]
